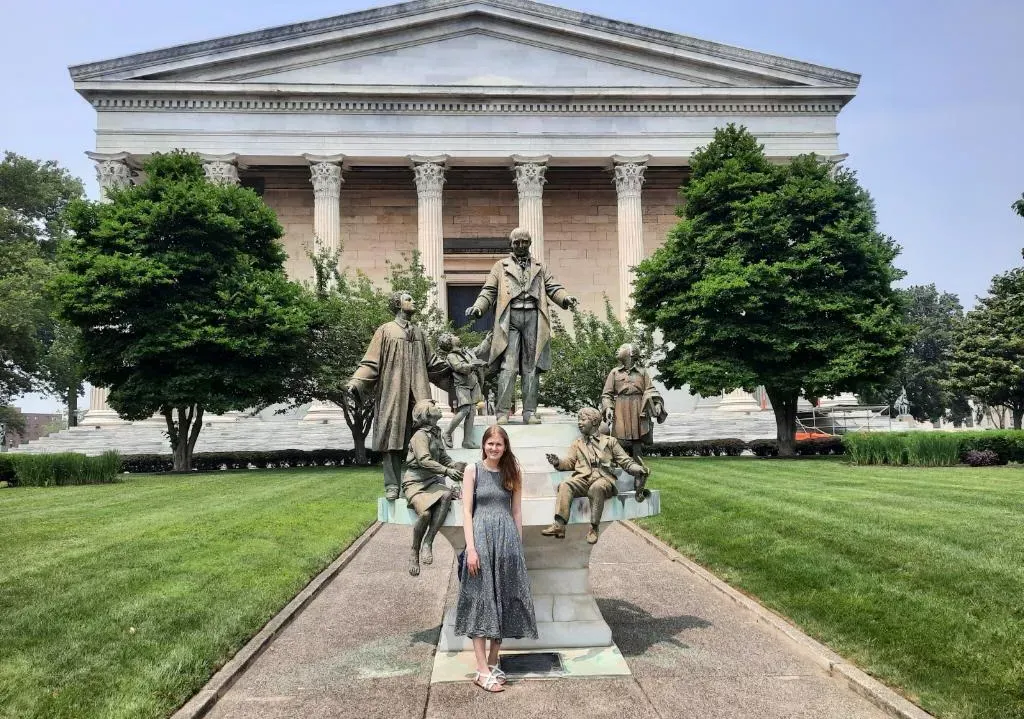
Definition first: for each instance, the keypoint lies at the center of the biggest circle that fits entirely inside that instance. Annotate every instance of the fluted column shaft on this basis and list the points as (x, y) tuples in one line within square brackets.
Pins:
[(112, 173), (325, 175), (529, 172), (629, 181), (429, 176)]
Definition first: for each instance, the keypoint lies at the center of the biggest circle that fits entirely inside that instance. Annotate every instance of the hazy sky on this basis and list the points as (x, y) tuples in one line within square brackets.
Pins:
[(936, 131)]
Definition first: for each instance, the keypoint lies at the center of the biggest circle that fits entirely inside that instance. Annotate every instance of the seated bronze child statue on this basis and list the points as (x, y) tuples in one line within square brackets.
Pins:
[(426, 467), (592, 458)]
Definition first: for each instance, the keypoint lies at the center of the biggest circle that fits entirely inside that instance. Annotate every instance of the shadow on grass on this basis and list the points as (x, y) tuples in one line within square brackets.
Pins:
[(635, 630)]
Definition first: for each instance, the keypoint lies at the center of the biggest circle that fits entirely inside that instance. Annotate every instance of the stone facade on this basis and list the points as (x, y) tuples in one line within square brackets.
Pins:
[(431, 124)]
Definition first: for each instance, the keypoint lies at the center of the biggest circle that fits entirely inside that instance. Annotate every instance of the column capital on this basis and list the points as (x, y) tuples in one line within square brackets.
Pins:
[(112, 170), (629, 174), (529, 173), (429, 174), (325, 174), (221, 169)]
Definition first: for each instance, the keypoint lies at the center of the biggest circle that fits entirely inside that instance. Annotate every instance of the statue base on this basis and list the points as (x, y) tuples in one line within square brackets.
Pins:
[(568, 617)]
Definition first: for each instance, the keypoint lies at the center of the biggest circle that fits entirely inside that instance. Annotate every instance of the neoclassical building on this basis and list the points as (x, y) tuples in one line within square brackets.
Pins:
[(440, 125)]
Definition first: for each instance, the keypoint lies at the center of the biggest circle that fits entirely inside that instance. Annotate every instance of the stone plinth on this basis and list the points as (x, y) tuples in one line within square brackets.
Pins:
[(559, 569)]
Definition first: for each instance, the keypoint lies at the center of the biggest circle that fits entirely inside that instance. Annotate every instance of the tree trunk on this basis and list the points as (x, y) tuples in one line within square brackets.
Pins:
[(784, 407), (1018, 414), (183, 434), (71, 398), (358, 420)]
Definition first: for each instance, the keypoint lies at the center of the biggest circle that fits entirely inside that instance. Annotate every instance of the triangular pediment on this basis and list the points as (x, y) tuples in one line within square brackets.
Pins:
[(452, 43), (471, 59)]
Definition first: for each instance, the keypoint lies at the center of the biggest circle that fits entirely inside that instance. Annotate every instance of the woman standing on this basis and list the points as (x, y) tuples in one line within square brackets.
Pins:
[(494, 598)]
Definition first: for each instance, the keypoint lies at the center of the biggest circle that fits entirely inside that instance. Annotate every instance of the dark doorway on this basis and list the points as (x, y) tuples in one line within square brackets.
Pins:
[(460, 297)]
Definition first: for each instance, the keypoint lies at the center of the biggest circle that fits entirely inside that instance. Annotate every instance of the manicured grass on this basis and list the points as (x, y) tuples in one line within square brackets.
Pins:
[(121, 600), (916, 575)]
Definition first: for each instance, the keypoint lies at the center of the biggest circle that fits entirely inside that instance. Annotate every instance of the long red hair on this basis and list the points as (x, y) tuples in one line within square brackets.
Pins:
[(508, 465)]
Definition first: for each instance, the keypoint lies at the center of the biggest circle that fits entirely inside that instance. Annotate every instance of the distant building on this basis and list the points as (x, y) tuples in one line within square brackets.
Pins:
[(36, 425)]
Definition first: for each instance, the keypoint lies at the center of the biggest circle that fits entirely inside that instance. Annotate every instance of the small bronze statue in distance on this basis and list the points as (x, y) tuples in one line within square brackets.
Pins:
[(591, 459), (423, 483), (631, 403)]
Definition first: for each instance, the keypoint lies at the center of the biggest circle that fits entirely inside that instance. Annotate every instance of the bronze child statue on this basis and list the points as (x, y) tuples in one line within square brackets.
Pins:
[(631, 403), (591, 459), (467, 385), (426, 467)]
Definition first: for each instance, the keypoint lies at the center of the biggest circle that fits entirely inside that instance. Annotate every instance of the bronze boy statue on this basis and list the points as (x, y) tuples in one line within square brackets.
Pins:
[(631, 403), (591, 459), (423, 483), (467, 385)]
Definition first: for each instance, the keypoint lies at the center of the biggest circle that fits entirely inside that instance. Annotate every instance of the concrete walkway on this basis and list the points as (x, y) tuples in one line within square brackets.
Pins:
[(364, 648)]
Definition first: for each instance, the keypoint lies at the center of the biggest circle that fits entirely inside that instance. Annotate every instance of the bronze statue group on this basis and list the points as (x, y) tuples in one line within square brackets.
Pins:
[(396, 374)]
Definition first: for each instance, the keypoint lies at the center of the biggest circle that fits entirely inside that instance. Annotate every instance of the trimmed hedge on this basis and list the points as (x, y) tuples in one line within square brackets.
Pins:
[(212, 461), (736, 447), (61, 469)]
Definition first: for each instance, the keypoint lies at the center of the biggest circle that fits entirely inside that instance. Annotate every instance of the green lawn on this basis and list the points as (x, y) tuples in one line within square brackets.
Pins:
[(121, 600), (916, 575)]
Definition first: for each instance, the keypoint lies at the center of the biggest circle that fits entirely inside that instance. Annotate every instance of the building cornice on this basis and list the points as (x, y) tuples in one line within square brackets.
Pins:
[(127, 96)]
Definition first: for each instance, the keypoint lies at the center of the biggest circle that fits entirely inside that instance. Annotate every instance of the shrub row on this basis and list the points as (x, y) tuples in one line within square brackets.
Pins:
[(212, 461), (935, 449), (735, 447), (65, 468)]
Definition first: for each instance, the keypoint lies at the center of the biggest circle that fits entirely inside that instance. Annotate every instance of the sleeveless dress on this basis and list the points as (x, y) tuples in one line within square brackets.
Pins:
[(496, 603)]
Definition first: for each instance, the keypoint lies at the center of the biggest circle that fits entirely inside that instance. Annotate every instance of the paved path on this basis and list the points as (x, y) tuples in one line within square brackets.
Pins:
[(364, 648)]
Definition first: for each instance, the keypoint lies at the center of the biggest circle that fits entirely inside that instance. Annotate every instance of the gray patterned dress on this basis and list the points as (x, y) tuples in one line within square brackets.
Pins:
[(496, 603)]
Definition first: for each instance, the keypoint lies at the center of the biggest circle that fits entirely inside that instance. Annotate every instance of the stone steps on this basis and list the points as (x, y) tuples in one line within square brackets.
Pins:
[(276, 432)]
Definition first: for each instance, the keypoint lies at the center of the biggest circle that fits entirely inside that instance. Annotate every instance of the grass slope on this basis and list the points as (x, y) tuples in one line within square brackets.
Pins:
[(916, 575), (121, 600)]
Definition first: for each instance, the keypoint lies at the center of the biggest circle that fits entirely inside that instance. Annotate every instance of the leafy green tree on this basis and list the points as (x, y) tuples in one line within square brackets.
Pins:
[(178, 288), (345, 313), (775, 276), (934, 318), (581, 358), (1018, 206), (61, 368), (988, 363), (33, 198)]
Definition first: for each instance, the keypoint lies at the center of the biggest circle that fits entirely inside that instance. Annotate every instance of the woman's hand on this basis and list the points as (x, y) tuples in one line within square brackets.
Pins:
[(472, 562)]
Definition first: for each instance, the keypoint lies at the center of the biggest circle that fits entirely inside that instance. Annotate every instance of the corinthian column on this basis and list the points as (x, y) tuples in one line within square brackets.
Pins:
[(530, 181), (112, 173), (325, 174), (221, 169), (629, 181), (429, 175)]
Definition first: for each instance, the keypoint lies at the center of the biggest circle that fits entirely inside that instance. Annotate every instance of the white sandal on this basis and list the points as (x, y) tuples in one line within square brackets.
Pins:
[(490, 684), (498, 674)]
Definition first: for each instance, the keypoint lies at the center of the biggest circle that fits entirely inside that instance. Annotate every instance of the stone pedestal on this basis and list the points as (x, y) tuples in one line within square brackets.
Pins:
[(567, 613), (100, 414)]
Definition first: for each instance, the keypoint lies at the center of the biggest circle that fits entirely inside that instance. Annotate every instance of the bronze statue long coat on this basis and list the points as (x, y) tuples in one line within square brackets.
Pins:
[(396, 366), (504, 283)]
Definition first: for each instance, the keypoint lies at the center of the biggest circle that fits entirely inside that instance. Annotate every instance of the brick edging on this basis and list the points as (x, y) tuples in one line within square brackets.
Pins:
[(203, 701), (872, 689)]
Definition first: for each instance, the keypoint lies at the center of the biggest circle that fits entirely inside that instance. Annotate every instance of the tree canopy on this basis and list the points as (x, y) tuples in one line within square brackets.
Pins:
[(988, 362), (33, 198), (934, 319), (582, 358), (777, 276), (178, 288)]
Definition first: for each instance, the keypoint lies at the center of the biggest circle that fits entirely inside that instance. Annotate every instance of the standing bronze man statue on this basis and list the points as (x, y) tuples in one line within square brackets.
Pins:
[(394, 373), (519, 289)]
